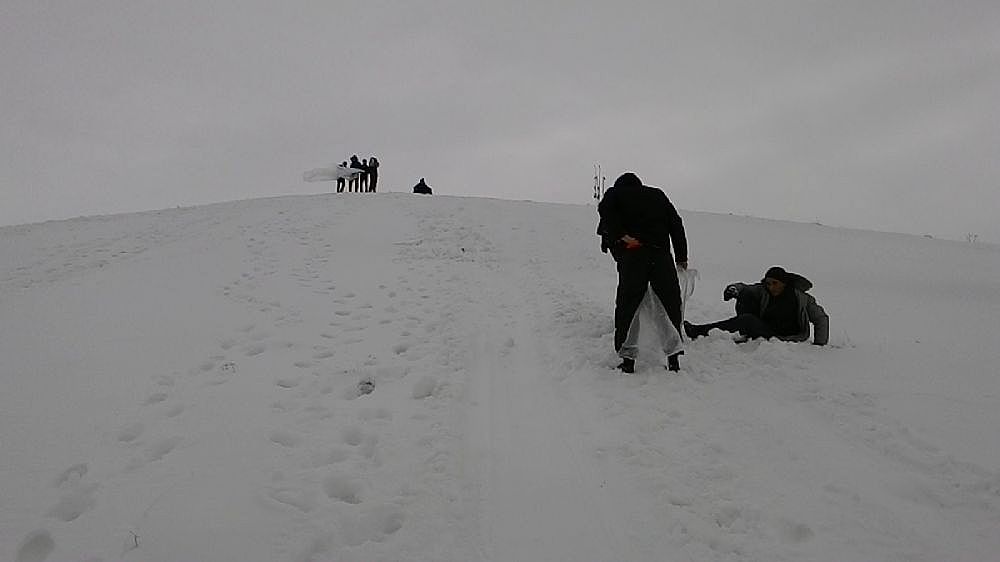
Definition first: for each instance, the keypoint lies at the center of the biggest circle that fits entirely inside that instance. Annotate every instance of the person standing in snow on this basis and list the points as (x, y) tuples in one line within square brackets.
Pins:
[(638, 225), (373, 174), (340, 179), (422, 187), (777, 307), (353, 184), (363, 187)]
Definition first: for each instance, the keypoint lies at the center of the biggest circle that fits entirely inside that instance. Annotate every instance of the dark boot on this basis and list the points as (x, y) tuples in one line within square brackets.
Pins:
[(627, 366), (692, 331), (673, 364)]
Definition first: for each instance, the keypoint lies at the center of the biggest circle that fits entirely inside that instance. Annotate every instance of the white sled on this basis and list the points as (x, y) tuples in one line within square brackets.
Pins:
[(330, 174)]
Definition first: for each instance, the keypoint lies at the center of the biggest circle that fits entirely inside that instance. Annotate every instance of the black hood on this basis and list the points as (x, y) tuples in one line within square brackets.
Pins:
[(788, 278), (628, 181)]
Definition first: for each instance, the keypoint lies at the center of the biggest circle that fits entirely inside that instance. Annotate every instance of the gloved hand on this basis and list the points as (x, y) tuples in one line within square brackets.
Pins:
[(730, 292), (630, 242)]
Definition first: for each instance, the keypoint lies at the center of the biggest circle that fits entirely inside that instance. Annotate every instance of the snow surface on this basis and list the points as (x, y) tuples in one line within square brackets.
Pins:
[(396, 377)]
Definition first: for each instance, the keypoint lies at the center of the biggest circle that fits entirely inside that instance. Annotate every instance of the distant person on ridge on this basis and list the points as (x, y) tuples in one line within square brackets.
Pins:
[(777, 307), (340, 179), (353, 183), (373, 174), (363, 187), (638, 225), (422, 187)]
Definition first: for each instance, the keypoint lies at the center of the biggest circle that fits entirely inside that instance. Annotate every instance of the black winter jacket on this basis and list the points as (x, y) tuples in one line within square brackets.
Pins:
[(646, 214)]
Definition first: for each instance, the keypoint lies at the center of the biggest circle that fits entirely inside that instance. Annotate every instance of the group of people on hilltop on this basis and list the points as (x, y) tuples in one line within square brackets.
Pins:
[(638, 224), (363, 181), (365, 178)]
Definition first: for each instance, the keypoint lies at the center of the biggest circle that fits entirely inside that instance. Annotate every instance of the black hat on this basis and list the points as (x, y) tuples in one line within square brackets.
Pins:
[(777, 273)]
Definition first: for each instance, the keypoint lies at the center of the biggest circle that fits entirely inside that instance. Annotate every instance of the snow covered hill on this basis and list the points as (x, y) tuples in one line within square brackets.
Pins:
[(393, 377)]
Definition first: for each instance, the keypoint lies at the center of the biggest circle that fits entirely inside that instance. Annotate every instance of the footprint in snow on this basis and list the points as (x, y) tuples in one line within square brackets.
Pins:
[(375, 524), (161, 448), (130, 432), (36, 546), (155, 398), (425, 387), (794, 532), (344, 488), (71, 476), (326, 458), (284, 438), (353, 435), (74, 502), (365, 386), (165, 380), (76, 497), (303, 500)]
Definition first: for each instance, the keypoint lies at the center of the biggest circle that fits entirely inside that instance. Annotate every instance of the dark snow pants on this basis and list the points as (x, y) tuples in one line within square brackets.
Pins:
[(748, 325), (638, 269)]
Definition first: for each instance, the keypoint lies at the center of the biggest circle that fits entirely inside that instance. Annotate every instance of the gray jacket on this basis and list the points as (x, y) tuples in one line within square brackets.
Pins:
[(754, 298)]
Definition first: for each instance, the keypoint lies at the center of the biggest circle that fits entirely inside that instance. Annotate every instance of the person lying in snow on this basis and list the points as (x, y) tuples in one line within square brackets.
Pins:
[(777, 307)]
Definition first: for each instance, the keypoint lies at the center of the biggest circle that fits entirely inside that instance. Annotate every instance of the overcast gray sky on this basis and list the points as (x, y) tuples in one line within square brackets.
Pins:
[(862, 113)]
